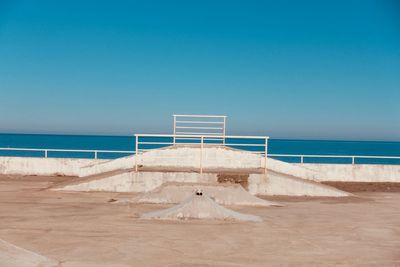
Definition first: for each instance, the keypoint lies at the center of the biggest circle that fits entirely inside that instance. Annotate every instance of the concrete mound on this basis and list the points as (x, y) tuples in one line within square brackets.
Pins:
[(199, 207), (233, 194)]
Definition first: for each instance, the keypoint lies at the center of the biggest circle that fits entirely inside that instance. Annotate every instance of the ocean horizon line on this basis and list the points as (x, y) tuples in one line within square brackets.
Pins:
[(132, 135)]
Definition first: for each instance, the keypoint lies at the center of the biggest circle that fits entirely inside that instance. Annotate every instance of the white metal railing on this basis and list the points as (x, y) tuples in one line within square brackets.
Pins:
[(46, 151), (353, 158), (199, 125), (264, 151), (253, 144)]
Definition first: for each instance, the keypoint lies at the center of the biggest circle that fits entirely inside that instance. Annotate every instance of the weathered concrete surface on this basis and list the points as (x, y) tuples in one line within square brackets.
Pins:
[(259, 184), (220, 157), (84, 229), (223, 194), (189, 156), (14, 256), (355, 173), (281, 184), (182, 157), (291, 169), (199, 207), (214, 158), (129, 181), (94, 168), (43, 166)]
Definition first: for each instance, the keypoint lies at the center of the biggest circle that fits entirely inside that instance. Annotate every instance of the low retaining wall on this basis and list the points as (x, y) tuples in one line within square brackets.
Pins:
[(354, 173), (43, 166), (212, 158)]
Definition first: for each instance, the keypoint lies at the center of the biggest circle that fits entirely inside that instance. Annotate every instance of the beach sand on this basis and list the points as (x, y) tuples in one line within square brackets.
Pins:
[(85, 229)]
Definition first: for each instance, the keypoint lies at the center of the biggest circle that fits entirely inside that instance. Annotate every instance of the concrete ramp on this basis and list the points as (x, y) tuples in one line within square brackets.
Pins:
[(291, 169), (130, 181), (227, 194), (285, 185), (123, 163), (199, 207), (13, 256)]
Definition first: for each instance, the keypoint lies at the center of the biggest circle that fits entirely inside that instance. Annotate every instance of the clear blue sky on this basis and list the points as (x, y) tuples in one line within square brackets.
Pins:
[(290, 69)]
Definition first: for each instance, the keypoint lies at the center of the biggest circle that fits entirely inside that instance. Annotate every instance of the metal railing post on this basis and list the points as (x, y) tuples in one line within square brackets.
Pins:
[(45, 153), (302, 159), (174, 130), (95, 154), (136, 152), (201, 154), (266, 155), (224, 131), (353, 160)]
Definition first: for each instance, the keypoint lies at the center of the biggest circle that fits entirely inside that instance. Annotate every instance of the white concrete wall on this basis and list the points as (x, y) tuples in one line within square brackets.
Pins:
[(355, 173), (43, 166), (190, 157)]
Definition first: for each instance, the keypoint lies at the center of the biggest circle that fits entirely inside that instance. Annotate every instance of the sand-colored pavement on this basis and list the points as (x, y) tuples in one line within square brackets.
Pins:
[(85, 229)]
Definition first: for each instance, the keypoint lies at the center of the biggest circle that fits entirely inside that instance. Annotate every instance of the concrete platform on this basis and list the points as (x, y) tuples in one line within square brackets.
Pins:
[(85, 229)]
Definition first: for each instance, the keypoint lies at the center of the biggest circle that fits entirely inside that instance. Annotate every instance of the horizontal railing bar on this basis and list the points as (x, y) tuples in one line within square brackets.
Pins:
[(201, 135), (377, 157), (188, 138), (22, 149), (155, 143), (250, 145), (66, 150), (201, 122), (193, 138), (199, 127), (207, 144), (198, 138), (333, 156), (214, 134), (114, 151), (200, 116)]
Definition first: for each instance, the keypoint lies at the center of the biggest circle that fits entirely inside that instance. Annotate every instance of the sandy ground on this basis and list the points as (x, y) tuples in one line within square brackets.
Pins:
[(84, 229), (366, 187)]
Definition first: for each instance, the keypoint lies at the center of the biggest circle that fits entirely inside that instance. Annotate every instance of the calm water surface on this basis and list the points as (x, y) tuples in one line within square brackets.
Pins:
[(276, 146)]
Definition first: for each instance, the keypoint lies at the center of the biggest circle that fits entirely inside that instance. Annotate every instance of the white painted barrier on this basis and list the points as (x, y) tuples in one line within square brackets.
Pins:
[(43, 166), (354, 173), (189, 157)]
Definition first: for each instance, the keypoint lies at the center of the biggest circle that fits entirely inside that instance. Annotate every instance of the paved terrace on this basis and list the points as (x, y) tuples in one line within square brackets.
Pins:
[(85, 229)]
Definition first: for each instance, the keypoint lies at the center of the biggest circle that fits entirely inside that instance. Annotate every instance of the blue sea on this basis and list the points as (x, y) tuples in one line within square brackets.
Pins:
[(127, 143)]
